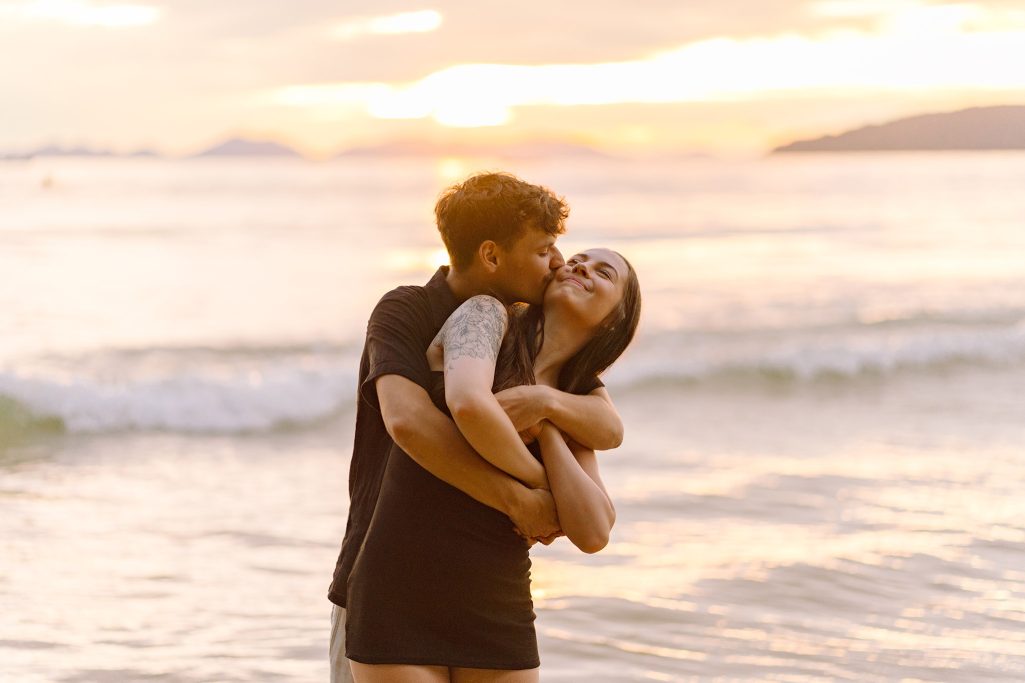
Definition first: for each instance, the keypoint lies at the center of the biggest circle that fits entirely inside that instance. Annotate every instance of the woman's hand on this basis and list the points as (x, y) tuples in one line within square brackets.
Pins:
[(548, 429), (526, 405), (589, 420), (530, 434)]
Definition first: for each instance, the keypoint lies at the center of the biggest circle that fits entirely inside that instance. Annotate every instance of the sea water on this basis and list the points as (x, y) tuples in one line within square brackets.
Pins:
[(825, 412)]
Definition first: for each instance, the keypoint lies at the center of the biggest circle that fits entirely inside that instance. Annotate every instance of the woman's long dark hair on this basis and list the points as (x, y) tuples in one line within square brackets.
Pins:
[(525, 337)]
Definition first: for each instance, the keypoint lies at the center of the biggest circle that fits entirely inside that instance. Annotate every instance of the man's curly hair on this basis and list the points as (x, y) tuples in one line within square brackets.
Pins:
[(497, 207)]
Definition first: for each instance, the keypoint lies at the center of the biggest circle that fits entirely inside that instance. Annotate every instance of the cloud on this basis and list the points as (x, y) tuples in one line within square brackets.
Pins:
[(193, 73), (423, 21), (922, 47), (860, 8), (533, 32), (81, 13)]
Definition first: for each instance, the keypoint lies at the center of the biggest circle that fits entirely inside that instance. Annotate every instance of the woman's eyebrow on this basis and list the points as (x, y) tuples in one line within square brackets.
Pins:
[(610, 266)]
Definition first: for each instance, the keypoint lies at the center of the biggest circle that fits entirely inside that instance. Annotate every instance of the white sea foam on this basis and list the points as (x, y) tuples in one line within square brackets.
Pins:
[(187, 391), (231, 389), (806, 355)]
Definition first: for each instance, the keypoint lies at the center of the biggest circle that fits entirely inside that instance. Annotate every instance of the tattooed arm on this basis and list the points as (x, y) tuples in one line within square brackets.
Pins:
[(470, 340)]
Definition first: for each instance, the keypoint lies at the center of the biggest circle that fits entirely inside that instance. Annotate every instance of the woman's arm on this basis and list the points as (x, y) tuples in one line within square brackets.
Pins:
[(470, 339), (590, 420), (586, 513)]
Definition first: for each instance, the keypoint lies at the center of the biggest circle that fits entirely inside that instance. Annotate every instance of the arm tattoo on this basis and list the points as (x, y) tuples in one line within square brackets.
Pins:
[(475, 330)]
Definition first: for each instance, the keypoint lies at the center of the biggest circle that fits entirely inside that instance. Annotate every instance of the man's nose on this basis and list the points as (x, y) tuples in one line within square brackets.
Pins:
[(556, 260)]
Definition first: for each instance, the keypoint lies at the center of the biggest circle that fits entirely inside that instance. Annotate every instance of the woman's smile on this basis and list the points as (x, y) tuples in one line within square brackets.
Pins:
[(578, 283)]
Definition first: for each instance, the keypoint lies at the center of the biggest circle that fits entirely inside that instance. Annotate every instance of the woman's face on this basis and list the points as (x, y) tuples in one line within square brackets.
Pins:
[(589, 286)]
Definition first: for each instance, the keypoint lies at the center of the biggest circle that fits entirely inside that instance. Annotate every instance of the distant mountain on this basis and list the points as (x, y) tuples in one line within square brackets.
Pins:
[(58, 151), (528, 150), (977, 128), (243, 147)]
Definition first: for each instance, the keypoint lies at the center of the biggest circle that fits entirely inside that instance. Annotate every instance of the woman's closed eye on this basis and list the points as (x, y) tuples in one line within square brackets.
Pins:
[(604, 272)]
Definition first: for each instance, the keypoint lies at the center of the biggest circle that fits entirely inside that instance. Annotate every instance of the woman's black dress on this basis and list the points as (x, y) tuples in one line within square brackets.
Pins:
[(441, 579)]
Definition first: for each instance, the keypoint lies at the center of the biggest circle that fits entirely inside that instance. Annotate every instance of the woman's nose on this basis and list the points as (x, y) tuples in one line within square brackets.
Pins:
[(579, 267)]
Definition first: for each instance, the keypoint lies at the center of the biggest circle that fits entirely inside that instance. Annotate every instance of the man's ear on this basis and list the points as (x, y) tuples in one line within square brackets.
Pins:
[(488, 253)]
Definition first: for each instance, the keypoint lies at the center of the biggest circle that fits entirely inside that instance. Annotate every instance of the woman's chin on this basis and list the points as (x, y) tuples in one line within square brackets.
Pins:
[(570, 308), (557, 296)]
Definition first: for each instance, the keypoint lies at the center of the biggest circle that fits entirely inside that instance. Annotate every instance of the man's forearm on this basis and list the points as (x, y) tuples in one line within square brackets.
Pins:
[(591, 420), (435, 443)]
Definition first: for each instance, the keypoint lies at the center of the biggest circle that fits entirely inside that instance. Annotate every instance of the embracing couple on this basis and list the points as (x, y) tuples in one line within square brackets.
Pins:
[(479, 413)]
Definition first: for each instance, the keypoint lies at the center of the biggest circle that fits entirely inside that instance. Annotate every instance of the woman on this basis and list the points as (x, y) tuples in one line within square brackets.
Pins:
[(441, 588)]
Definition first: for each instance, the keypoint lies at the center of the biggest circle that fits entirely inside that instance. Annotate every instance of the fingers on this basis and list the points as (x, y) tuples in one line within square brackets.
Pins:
[(532, 540), (548, 540)]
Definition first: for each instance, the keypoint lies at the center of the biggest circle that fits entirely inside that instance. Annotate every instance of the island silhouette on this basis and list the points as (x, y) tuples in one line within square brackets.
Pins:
[(978, 128)]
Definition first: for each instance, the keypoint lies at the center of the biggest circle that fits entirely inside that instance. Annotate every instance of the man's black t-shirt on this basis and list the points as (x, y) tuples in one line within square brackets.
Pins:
[(402, 326)]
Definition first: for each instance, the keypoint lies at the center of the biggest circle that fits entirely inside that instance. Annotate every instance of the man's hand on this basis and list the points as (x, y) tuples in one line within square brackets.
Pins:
[(548, 540), (525, 405), (536, 516)]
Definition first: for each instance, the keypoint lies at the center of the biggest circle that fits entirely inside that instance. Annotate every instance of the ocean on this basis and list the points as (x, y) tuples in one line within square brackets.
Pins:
[(825, 421)]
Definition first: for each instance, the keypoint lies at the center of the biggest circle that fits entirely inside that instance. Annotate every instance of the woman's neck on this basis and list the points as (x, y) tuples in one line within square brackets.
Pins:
[(562, 339)]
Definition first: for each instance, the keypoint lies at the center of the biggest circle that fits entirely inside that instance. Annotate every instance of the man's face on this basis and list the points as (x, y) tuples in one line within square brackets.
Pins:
[(527, 267)]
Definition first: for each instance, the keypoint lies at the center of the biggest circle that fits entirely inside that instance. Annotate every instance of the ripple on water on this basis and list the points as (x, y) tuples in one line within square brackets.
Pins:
[(916, 616)]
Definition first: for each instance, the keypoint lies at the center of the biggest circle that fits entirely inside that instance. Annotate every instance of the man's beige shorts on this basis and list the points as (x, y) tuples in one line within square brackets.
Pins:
[(340, 671)]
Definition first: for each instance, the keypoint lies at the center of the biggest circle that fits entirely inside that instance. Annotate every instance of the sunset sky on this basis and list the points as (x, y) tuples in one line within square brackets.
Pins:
[(726, 76)]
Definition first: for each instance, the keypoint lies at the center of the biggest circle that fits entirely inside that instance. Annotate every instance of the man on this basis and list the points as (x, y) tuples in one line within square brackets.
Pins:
[(500, 234)]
